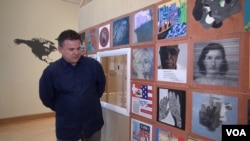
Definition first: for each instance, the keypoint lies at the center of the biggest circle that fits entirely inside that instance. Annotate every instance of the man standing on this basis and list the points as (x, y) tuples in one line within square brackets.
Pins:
[(72, 87)]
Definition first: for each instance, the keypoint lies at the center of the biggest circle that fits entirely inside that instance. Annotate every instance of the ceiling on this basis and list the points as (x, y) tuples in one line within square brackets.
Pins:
[(78, 2)]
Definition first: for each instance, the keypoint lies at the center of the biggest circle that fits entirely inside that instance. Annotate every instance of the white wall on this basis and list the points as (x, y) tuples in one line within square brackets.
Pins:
[(99, 11), (20, 70)]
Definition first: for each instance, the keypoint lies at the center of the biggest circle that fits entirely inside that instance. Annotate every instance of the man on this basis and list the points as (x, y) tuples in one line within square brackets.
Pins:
[(72, 87), (169, 56)]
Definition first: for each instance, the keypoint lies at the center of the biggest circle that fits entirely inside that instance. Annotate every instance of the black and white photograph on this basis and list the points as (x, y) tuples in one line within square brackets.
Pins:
[(171, 107), (143, 63), (217, 62)]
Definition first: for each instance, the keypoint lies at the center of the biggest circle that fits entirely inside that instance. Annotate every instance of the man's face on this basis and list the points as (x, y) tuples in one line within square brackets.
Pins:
[(71, 51), (169, 56)]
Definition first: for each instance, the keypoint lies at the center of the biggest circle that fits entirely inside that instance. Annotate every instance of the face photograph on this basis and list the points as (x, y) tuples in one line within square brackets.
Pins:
[(216, 62)]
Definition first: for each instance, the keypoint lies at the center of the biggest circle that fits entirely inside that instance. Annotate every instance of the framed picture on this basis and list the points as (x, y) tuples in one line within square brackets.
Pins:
[(172, 19), (143, 63), (121, 31), (142, 99), (83, 42), (163, 135), (172, 63), (171, 107), (217, 62), (92, 40), (104, 36), (140, 131), (142, 25), (210, 111)]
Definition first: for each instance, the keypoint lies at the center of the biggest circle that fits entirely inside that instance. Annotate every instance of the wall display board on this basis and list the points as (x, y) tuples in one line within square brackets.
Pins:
[(143, 63), (171, 107), (142, 25), (217, 62), (142, 99), (104, 36), (210, 111), (163, 135), (178, 65), (172, 19), (140, 131), (172, 63), (121, 31)]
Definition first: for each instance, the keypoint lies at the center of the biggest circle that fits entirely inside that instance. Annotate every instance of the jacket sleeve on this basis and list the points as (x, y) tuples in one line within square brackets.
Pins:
[(101, 80), (46, 90)]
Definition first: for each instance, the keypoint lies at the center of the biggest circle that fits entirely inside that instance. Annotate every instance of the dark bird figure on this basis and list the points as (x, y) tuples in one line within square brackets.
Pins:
[(41, 48)]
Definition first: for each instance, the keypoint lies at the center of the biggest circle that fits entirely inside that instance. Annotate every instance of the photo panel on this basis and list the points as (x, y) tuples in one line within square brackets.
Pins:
[(216, 62), (171, 107), (142, 25), (104, 36), (120, 30), (140, 131), (172, 19), (142, 99), (211, 111), (172, 63), (142, 63), (92, 40), (163, 135)]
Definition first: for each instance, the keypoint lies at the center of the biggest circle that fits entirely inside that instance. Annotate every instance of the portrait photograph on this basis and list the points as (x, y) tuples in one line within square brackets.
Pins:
[(172, 19), (92, 39), (142, 99), (171, 107), (163, 135), (104, 36), (217, 62), (121, 31), (210, 111), (172, 63), (142, 26), (140, 131), (143, 63)]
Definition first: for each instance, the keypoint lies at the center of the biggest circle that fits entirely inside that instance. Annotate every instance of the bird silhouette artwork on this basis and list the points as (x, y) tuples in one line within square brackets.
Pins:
[(40, 47)]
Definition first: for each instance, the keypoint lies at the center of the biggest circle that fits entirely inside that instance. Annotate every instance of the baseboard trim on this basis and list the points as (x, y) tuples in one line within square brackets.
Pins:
[(25, 118)]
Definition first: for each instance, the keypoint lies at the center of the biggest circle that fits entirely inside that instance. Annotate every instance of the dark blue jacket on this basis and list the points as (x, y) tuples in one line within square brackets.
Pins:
[(74, 93)]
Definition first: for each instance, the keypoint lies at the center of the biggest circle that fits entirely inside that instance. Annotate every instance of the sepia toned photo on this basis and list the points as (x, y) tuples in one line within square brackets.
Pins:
[(217, 62), (171, 107)]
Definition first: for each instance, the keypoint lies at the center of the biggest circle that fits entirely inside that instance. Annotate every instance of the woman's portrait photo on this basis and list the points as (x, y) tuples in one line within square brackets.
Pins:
[(171, 107), (121, 31), (217, 62), (142, 63), (210, 111)]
